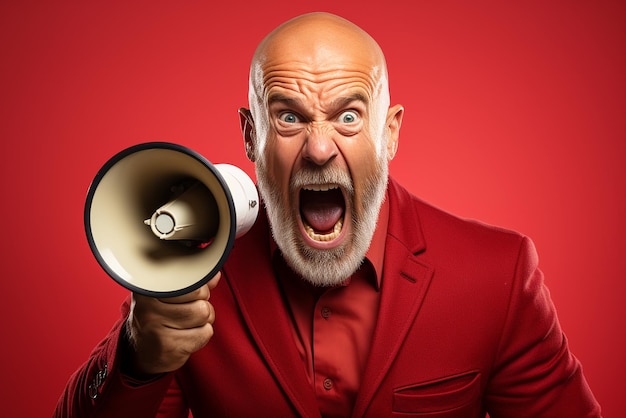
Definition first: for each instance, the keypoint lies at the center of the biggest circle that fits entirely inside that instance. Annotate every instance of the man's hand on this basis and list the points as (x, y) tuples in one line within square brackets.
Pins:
[(165, 332)]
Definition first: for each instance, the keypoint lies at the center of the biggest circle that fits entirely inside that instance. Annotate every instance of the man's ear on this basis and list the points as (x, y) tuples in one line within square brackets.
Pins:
[(394, 121), (247, 131)]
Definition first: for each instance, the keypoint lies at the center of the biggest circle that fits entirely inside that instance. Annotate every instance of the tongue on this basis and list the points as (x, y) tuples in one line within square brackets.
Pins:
[(321, 210)]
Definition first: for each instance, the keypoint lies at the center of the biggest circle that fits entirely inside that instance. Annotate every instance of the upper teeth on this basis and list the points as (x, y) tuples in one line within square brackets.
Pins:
[(320, 187)]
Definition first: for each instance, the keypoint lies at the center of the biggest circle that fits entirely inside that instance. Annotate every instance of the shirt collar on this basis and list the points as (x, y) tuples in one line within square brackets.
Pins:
[(376, 252)]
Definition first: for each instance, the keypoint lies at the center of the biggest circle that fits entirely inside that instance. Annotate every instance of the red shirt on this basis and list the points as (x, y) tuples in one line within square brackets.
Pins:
[(333, 326)]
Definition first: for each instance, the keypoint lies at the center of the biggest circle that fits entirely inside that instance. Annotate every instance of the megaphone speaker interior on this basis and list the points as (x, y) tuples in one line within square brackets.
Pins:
[(161, 219)]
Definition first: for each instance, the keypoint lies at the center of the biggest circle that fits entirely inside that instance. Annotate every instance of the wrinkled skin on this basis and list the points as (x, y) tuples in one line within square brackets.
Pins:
[(320, 117)]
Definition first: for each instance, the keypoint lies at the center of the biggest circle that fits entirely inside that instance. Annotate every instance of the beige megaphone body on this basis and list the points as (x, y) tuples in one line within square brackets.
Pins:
[(161, 219)]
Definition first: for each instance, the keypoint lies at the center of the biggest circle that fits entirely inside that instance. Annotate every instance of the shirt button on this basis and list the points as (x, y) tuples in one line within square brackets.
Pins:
[(328, 384), (326, 313)]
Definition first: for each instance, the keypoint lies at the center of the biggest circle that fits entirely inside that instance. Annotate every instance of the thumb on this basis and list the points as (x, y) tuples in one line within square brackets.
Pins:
[(215, 280)]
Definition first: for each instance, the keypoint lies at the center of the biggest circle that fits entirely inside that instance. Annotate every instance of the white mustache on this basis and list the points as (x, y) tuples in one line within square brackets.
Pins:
[(326, 175)]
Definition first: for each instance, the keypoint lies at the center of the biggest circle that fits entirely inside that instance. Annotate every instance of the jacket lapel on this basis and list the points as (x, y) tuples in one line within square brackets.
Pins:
[(263, 310), (405, 283)]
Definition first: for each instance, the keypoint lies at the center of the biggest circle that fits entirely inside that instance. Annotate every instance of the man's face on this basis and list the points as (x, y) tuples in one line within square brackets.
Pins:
[(321, 158)]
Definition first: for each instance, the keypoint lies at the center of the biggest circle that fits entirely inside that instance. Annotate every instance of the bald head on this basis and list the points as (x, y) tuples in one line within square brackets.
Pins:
[(321, 39)]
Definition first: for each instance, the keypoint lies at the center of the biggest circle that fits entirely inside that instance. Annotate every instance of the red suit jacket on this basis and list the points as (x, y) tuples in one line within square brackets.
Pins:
[(466, 326)]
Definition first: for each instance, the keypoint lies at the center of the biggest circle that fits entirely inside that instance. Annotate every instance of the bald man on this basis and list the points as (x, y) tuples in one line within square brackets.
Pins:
[(349, 296)]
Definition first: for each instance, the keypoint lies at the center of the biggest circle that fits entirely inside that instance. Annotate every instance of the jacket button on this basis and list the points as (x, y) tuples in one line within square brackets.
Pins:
[(326, 313), (328, 384)]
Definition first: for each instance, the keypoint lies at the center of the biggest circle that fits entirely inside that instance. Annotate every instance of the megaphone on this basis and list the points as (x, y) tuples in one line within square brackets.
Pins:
[(161, 219)]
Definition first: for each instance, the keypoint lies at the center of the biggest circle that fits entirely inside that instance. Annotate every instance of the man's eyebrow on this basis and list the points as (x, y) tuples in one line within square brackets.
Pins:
[(345, 101), (280, 98), (337, 103)]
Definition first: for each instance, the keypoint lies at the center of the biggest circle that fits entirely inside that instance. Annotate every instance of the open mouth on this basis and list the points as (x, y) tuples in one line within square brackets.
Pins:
[(322, 210)]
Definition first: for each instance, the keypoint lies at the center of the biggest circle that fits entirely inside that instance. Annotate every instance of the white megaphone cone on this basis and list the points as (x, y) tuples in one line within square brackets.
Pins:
[(161, 219)]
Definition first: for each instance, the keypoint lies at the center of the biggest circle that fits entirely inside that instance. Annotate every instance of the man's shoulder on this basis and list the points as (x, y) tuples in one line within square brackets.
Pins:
[(440, 227)]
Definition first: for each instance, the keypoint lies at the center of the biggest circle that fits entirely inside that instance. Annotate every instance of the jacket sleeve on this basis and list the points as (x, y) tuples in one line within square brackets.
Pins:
[(535, 374), (99, 389)]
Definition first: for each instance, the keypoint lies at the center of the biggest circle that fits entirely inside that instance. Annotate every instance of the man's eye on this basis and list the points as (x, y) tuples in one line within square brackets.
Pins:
[(348, 117), (289, 117)]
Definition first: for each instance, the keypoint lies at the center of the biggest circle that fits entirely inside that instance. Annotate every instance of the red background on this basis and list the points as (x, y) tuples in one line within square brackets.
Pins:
[(515, 115)]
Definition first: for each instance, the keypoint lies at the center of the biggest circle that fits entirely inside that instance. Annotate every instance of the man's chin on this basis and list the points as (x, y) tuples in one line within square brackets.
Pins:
[(324, 268), (324, 264)]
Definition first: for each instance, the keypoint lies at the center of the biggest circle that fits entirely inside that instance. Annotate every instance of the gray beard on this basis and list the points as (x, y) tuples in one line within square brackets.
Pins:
[(329, 267)]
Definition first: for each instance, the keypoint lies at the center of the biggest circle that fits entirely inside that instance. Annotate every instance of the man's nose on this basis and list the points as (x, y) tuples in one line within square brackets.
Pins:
[(319, 148)]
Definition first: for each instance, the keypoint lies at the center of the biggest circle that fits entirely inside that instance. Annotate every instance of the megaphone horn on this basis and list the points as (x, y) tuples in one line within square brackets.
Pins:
[(161, 219)]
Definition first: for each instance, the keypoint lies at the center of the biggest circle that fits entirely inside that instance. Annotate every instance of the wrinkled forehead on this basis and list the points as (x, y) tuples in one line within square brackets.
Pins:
[(318, 48)]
